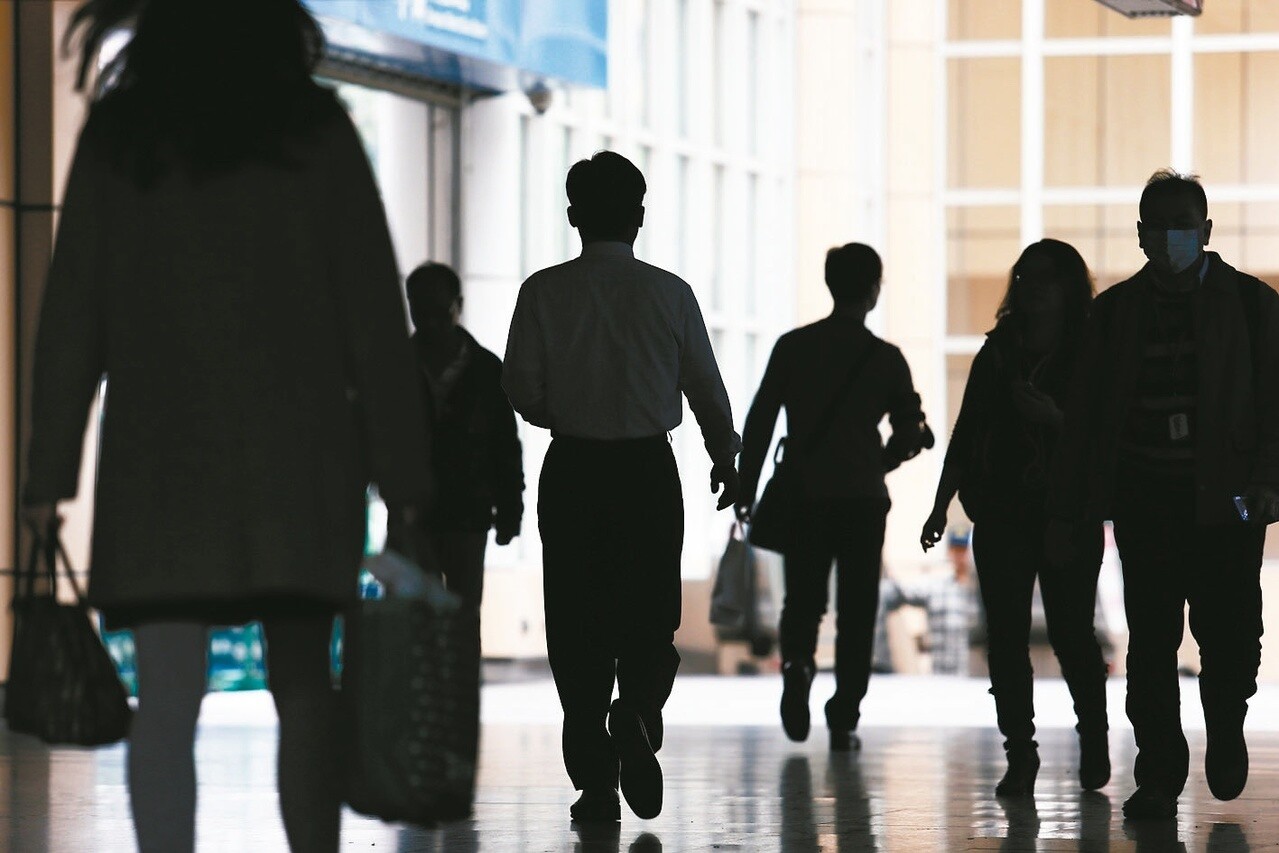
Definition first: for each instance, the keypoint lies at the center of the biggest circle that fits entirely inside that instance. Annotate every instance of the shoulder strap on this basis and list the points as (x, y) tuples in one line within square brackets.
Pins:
[(813, 439)]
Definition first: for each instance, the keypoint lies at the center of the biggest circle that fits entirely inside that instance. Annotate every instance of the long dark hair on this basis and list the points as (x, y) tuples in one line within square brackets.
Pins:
[(1077, 291), (216, 83)]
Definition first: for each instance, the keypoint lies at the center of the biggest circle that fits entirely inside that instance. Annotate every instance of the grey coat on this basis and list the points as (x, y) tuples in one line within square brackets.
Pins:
[(252, 335)]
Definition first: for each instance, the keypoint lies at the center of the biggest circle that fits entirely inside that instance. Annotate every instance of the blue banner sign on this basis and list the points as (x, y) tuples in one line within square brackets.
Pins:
[(488, 44)]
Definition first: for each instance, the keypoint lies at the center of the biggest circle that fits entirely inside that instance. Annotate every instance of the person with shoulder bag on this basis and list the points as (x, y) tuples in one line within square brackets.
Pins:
[(827, 501)]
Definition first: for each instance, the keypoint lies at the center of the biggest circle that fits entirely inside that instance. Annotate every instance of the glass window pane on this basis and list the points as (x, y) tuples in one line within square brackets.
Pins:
[(1087, 19), (984, 19), (1260, 243), (985, 122), (983, 243), (1238, 16), (1135, 117), (1219, 101), (1261, 115), (1107, 119), (1228, 231), (1072, 103), (1105, 235)]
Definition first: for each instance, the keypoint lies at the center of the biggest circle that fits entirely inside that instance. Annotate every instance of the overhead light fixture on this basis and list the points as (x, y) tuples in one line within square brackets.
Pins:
[(1155, 8)]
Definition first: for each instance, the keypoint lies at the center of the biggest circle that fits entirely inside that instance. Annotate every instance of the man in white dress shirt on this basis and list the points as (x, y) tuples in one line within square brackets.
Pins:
[(600, 350)]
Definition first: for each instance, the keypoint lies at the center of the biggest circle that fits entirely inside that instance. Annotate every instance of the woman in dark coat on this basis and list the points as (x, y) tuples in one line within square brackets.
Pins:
[(998, 460), (223, 262)]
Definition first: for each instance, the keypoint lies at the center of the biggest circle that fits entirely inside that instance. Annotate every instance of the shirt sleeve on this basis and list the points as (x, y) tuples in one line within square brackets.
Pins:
[(700, 382), (905, 415), (69, 350), (524, 367), (761, 421)]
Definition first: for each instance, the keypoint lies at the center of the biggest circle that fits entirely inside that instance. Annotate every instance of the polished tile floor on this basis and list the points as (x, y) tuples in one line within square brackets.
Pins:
[(734, 783)]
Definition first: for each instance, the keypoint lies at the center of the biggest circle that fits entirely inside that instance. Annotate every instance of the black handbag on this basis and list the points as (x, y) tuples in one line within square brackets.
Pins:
[(411, 699), (63, 687), (774, 521)]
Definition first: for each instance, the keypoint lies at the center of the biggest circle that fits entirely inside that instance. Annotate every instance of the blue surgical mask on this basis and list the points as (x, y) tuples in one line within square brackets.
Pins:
[(1183, 247)]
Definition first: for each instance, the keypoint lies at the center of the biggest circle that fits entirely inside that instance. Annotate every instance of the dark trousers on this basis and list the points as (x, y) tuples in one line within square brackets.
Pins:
[(851, 535), (1169, 560), (1009, 555), (611, 515), (461, 558)]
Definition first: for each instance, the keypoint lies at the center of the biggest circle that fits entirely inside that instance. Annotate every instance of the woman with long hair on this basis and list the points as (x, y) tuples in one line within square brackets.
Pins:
[(999, 463), (223, 262)]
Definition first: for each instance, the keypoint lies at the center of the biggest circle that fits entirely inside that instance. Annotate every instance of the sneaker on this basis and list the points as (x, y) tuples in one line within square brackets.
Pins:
[(641, 775), (1023, 769), (797, 678), (1149, 803), (596, 805), (1226, 761), (1094, 760)]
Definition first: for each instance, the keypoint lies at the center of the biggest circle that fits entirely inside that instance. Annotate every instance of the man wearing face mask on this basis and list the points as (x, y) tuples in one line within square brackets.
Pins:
[(1172, 431)]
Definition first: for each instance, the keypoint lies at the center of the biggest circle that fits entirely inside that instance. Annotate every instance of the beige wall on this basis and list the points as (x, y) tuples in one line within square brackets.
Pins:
[(912, 309)]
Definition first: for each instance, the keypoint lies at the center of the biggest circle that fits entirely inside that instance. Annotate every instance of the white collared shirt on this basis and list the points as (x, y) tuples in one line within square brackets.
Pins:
[(602, 347)]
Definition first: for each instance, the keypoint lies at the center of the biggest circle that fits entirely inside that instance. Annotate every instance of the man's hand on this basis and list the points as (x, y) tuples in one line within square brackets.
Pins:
[(506, 532), (1263, 504), (39, 516), (934, 529), (725, 474)]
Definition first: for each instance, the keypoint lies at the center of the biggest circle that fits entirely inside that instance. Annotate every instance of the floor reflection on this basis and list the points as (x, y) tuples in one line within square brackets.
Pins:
[(729, 787)]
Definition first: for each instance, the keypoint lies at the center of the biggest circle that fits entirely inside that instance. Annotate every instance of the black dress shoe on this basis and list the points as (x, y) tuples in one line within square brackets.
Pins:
[(1226, 760), (1023, 769), (641, 775), (596, 805), (797, 678), (1094, 760), (1150, 803)]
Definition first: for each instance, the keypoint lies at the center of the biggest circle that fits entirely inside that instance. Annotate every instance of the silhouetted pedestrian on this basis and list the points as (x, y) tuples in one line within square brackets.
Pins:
[(999, 462), (1172, 430), (476, 456), (223, 261), (835, 378), (601, 347)]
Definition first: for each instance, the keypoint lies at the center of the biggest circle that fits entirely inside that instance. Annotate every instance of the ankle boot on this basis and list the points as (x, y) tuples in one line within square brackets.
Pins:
[(797, 678), (1094, 759), (1023, 768)]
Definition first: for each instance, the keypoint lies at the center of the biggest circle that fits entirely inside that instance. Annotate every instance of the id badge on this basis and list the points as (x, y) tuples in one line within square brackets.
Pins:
[(1178, 426)]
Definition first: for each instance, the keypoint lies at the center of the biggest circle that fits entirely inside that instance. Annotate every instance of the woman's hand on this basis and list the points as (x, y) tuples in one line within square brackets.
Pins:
[(1034, 405), (934, 529)]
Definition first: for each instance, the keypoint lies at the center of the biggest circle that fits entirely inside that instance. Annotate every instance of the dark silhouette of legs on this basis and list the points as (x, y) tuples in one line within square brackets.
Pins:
[(1006, 579), (858, 562), (308, 764), (1070, 601), (161, 763), (612, 590)]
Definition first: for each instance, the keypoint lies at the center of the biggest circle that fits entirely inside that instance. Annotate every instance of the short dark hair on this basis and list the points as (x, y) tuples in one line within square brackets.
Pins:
[(852, 271), (1168, 182), (432, 274), (606, 192)]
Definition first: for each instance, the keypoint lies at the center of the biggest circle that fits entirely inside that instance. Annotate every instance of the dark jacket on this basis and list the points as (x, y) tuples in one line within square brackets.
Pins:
[(251, 330), (1238, 412), (476, 454), (807, 367), (1001, 460)]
